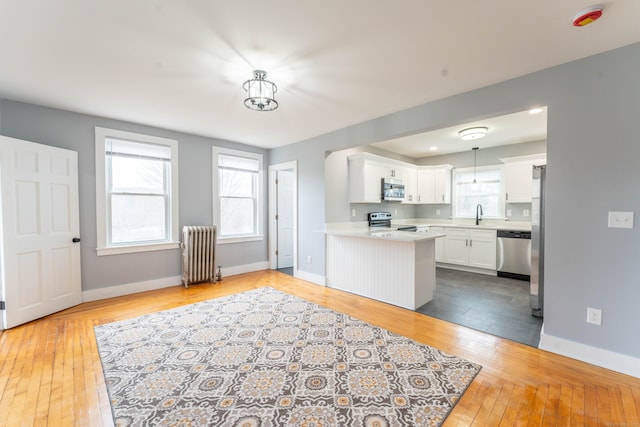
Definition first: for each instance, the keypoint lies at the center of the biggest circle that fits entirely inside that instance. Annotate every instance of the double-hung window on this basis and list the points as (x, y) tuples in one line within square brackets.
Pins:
[(473, 187), (237, 187), (136, 192)]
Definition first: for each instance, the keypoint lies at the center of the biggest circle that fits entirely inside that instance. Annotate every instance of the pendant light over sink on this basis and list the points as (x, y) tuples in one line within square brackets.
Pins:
[(475, 155)]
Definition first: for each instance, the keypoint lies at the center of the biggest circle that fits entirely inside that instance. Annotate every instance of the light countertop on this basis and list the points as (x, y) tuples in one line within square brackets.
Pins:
[(381, 233), (362, 230), (486, 224)]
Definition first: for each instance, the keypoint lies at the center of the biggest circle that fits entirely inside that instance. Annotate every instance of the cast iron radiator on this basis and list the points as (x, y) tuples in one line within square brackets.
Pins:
[(198, 254)]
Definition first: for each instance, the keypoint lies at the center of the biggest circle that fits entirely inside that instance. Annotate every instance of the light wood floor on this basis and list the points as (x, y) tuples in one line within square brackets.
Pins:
[(50, 372)]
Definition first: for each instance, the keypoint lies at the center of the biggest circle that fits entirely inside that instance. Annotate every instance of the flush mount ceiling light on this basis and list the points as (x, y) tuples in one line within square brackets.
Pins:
[(473, 133), (260, 92)]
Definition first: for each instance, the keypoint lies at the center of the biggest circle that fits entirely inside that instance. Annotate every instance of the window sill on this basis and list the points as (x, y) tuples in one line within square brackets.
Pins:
[(115, 250), (225, 240)]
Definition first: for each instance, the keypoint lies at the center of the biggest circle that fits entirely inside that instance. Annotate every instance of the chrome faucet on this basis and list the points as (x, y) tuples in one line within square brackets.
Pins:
[(478, 216)]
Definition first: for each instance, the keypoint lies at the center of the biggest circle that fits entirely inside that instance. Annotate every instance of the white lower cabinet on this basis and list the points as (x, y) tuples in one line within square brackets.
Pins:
[(470, 247), (439, 243)]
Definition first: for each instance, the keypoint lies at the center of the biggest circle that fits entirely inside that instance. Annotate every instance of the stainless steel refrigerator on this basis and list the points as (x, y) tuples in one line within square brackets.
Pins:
[(537, 241)]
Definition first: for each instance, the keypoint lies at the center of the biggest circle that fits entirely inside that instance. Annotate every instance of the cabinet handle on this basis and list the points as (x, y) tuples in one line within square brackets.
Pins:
[(507, 196), (466, 242), (443, 197), (470, 242)]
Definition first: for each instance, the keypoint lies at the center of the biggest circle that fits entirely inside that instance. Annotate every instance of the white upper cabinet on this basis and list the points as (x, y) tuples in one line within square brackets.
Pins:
[(434, 184), (410, 180), (392, 171), (426, 186), (366, 172), (365, 185), (518, 177), (422, 184), (517, 182)]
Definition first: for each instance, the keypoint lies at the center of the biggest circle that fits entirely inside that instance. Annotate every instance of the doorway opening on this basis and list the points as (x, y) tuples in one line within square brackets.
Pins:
[(283, 210)]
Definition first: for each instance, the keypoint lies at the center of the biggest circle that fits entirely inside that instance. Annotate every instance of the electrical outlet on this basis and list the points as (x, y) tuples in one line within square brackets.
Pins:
[(594, 316), (353, 212), (525, 212), (395, 212), (509, 212), (438, 212), (309, 259)]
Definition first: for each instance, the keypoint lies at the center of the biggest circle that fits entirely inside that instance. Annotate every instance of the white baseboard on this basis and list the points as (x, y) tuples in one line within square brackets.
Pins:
[(246, 268), (596, 356), (130, 288), (149, 285), (467, 269), (310, 277)]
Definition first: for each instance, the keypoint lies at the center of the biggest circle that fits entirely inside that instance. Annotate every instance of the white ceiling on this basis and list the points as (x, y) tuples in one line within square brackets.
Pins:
[(181, 64), (503, 130)]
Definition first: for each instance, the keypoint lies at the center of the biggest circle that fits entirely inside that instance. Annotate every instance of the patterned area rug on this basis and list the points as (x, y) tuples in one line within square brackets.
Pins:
[(267, 358)]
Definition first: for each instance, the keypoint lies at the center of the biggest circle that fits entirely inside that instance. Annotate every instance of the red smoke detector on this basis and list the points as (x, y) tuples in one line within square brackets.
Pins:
[(587, 16)]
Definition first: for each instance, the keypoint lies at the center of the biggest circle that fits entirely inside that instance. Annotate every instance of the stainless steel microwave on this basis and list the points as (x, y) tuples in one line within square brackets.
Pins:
[(392, 190)]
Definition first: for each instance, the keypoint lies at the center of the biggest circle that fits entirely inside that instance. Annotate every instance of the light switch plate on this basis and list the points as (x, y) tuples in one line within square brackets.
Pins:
[(620, 219)]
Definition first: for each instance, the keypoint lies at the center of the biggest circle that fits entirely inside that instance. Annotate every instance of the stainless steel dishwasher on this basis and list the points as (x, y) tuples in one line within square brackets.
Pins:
[(513, 254)]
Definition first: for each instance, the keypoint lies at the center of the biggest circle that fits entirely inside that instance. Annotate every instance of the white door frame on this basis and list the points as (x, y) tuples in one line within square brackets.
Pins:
[(273, 226)]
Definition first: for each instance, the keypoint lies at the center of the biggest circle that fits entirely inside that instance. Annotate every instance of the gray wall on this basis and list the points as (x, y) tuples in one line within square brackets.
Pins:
[(592, 155), (76, 132)]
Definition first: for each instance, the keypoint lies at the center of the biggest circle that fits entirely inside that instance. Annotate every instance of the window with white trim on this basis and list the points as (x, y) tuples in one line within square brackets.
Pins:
[(136, 192), (486, 191), (237, 186)]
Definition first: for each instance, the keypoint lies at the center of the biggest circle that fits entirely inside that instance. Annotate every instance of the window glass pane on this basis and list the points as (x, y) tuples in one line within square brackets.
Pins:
[(466, 206), (237, 216), (137, 218), (137, 149), (238, 162), (133, 175), (236, 183), (486, 192)]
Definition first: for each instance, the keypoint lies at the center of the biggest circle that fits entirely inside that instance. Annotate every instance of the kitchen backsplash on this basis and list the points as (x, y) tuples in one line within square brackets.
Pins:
[(400, 211)]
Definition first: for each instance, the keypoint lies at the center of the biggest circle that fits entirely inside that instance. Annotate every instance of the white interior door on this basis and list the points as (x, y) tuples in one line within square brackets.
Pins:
[(40, 221), (285, 218)]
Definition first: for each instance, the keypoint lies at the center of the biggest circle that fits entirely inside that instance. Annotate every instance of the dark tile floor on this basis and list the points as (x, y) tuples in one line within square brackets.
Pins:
[(497, 305), (286, 270)]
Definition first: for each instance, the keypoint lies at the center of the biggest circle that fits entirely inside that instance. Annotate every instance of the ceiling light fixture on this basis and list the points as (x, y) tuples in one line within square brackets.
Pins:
[(260, 92), (475, 155), (536, 110), (473, 133)]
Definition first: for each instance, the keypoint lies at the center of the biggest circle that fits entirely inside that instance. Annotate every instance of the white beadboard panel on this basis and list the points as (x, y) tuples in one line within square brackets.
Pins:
[(397, 272)]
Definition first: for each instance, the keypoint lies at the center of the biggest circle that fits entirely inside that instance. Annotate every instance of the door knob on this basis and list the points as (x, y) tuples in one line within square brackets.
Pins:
[(75, 240)]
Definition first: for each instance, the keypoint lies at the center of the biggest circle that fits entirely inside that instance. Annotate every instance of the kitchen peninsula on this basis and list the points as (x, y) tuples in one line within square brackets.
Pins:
[(396, 267)]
